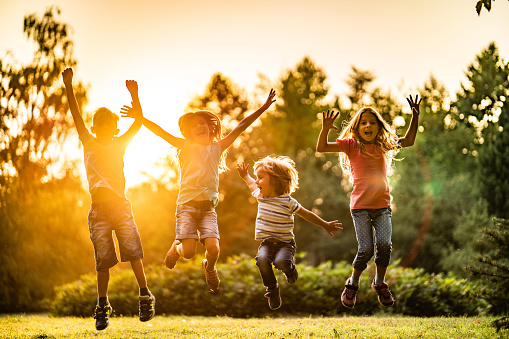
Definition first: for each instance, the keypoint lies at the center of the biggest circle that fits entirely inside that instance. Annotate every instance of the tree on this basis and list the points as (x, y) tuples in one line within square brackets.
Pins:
[(494, 268), (294, 126), (483, 106), (39, 220), (33, 110)]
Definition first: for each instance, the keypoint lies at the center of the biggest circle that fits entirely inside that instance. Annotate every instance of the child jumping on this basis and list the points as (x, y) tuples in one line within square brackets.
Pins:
[(110, 210), (201, 156), (366, 147), (276, 179)]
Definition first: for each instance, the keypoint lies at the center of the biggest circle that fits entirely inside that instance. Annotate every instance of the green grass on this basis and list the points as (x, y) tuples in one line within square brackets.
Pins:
[(43, 326)]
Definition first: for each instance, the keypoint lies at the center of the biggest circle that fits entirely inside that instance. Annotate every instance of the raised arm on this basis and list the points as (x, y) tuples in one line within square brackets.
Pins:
[(130, 112), (132, 87), (328, 226), (242, 168), (409, 138), (73, 105), (323, 145), (246, 122)]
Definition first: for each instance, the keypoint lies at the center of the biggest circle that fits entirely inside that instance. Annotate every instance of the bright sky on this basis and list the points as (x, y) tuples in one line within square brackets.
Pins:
[(171, 48)]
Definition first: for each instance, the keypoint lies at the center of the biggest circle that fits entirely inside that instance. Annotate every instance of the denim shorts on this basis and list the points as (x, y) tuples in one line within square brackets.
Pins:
[(196, 222), (103, 219)]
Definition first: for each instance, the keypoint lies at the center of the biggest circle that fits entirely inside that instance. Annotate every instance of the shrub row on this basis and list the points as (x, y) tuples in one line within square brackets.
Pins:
[(183, 291)]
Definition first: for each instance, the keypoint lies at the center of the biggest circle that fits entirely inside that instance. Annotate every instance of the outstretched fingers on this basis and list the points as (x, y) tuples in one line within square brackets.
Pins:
[(414, 104)]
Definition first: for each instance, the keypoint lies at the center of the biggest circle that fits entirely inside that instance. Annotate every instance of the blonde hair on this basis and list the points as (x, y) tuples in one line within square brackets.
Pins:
[(186, 122), (283, 174), (386, 139), (103, 114)]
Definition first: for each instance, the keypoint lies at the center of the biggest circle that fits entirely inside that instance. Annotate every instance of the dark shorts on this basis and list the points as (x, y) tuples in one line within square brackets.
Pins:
[(103, 219)]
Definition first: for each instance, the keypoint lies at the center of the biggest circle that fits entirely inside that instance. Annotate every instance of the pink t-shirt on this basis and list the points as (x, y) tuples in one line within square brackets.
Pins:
[(369, 173)]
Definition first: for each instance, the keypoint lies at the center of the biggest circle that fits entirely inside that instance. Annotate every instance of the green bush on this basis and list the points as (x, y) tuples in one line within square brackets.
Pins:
[(317, 291)]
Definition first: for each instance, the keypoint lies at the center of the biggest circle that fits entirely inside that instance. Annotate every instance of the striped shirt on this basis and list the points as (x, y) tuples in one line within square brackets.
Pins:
[(275, 217)]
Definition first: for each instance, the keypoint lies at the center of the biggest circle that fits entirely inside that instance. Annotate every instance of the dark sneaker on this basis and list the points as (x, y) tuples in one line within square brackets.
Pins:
[(384, 294), (147, 307), (172, 256), (211, 276), (291, 277), (349, 295), (102, 316), (274, 298)]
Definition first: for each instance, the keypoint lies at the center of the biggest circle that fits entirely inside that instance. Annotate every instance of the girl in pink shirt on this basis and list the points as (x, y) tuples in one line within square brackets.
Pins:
[(367, 146)]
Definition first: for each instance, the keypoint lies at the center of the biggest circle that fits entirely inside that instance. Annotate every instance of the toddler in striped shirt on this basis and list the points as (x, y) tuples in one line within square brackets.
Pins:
[(277, 178)]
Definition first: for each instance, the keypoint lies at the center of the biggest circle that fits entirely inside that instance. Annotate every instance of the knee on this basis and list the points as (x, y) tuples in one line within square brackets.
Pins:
[(384, 247), (188, 253), (365, 252), (262, 260), (213, 250), (283, 264)]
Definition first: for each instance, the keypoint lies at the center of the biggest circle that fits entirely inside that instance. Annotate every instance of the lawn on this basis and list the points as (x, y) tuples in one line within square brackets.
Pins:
[(44, 326)]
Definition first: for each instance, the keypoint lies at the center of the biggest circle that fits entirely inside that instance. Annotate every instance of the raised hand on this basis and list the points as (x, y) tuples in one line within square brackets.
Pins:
[(414, 105), (67, 76), (270, 100), (132, 87), (242, 169), (332, 226), (328, 119), (130, 112)]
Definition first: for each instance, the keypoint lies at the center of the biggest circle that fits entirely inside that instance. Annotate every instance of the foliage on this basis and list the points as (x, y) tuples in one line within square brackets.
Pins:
[(183, 291), (33, 121), (42, 199), (483, 3), (493, 269)]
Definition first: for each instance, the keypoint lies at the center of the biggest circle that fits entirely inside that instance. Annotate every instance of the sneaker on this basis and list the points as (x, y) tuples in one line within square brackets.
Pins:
[(384, 294), (274, 298), (102, 315), (147, 307), (349, 295), (172, 256), (291, 277), (211, 276)]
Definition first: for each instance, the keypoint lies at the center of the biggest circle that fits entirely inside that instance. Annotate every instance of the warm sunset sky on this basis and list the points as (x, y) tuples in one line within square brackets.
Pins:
[(173, 47)]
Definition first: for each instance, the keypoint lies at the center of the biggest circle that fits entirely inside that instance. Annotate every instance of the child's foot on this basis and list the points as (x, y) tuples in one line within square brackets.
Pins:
[(172, 256), (147, 307), (274, 297), (384, 293), (349, 295), (102, 315), (211, 276), (291, 277)]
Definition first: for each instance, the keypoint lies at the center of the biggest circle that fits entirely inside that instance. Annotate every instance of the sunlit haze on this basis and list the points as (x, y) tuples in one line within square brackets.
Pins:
[(172, 48)]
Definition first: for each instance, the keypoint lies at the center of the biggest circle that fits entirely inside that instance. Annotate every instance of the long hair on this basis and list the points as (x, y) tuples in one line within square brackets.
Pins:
[(215, 134), (283, 174), (386, 139)]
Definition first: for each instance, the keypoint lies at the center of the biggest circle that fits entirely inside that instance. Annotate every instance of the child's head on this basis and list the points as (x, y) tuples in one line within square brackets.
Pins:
[(368, 127), (282, 174), (200, 126), (104, 123)]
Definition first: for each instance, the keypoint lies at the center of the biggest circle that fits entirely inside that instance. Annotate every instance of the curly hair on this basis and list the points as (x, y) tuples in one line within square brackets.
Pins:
[(283, 174), (386, 139)]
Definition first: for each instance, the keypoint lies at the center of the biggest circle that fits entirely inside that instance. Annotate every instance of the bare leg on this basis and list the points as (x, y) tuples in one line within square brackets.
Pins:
[(211, 252), (139, 273), (187, 248), (356, 274), (103, 278), (380, 272)]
